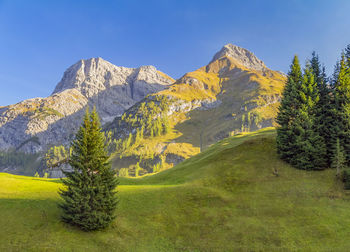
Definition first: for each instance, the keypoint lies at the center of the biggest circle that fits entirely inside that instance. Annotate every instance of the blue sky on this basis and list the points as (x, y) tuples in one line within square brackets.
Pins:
[(39, 40)]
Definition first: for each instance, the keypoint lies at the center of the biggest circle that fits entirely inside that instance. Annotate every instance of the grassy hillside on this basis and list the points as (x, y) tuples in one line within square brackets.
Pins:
[(224, 199), (201, 108)]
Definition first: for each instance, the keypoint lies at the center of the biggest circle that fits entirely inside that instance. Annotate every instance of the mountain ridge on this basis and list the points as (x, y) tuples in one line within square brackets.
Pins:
[(92, 82), (242, 55), (234, 93), (225, 97), (105, 74)]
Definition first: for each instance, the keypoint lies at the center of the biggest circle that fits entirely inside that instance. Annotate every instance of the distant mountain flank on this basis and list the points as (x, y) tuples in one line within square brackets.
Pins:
[(153, 121), (33, 125), (234, 93)]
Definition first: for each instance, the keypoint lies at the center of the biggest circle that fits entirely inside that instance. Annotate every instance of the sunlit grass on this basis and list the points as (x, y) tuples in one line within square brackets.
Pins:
[(224, 199)]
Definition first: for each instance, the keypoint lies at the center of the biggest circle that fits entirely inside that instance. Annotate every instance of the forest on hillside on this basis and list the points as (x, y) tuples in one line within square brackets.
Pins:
[(314, 117)]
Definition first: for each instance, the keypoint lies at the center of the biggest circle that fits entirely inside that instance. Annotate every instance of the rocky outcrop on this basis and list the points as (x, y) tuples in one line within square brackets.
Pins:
[(243, 56), (33, 125)]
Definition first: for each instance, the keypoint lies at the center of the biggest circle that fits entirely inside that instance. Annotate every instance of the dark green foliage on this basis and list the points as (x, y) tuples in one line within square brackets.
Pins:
[(298, 139), (325, 112), (310, 147), (166, 125), (150, 118), (24, 163), (314, 121), (14, 158), (249, 120), (128, 141), (137, 169), (286, 135), (347, 54), (89, 199), (346, 179), (339, 158), (342, 105), (56, 156)]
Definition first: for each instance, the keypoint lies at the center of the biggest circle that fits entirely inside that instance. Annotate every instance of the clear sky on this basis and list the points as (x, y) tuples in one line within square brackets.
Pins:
[(39, 40)]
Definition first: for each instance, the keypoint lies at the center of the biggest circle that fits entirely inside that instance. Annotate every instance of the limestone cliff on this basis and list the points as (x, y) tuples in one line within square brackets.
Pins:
[(33, 125)]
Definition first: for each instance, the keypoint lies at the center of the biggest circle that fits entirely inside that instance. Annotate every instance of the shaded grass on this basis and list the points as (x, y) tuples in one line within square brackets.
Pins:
[(224, 199)]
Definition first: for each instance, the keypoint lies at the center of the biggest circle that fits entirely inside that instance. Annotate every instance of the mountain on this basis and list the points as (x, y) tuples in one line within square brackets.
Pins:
[(234, 93), (32, 125), (153, 121), (242, 55)]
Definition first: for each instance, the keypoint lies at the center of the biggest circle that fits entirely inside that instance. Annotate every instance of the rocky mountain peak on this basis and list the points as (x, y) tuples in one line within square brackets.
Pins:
[(33, 125), (242, 55), (83, 71), (96, 74)]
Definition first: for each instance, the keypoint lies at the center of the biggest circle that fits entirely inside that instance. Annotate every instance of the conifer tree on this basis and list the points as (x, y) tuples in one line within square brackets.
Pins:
[(339, 158), (342, 105), (89, 197), (347, 55), (137, 169), (166, 125), (334, 78), (317, 70), (310, 146), (286, 141), (138, 135), (325, 112), (127, 142), (298, 139)]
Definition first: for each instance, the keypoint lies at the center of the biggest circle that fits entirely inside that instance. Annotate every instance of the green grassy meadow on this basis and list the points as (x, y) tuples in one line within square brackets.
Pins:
[(223, 199)]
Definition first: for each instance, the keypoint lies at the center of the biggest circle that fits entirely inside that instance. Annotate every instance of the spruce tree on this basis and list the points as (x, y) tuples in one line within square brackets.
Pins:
[(310, 146), (339, 158), (325, 112), (347, 55), (342, 104), (317, 70), (298, 139), (89, 196), (290, 103)]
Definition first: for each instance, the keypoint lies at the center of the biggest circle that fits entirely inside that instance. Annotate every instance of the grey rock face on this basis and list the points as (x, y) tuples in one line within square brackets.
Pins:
[(243, 56), (35, 124)]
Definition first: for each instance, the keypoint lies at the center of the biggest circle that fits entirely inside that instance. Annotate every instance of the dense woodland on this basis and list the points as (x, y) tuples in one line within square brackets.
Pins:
[(314, 116)]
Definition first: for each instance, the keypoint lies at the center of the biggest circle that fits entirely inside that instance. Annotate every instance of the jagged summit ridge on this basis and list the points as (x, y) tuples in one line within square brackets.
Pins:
[(242, 55), (95, 74), (34, 124)]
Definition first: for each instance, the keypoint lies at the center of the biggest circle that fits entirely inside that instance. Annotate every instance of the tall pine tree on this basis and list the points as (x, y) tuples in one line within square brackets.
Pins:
[(342, 104), (89, 196), (325, 112), (298, 139), (286, 141), (311, 149)]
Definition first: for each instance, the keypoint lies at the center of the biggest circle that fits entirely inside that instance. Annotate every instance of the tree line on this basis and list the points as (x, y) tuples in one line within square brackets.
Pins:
[(314, 115)]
